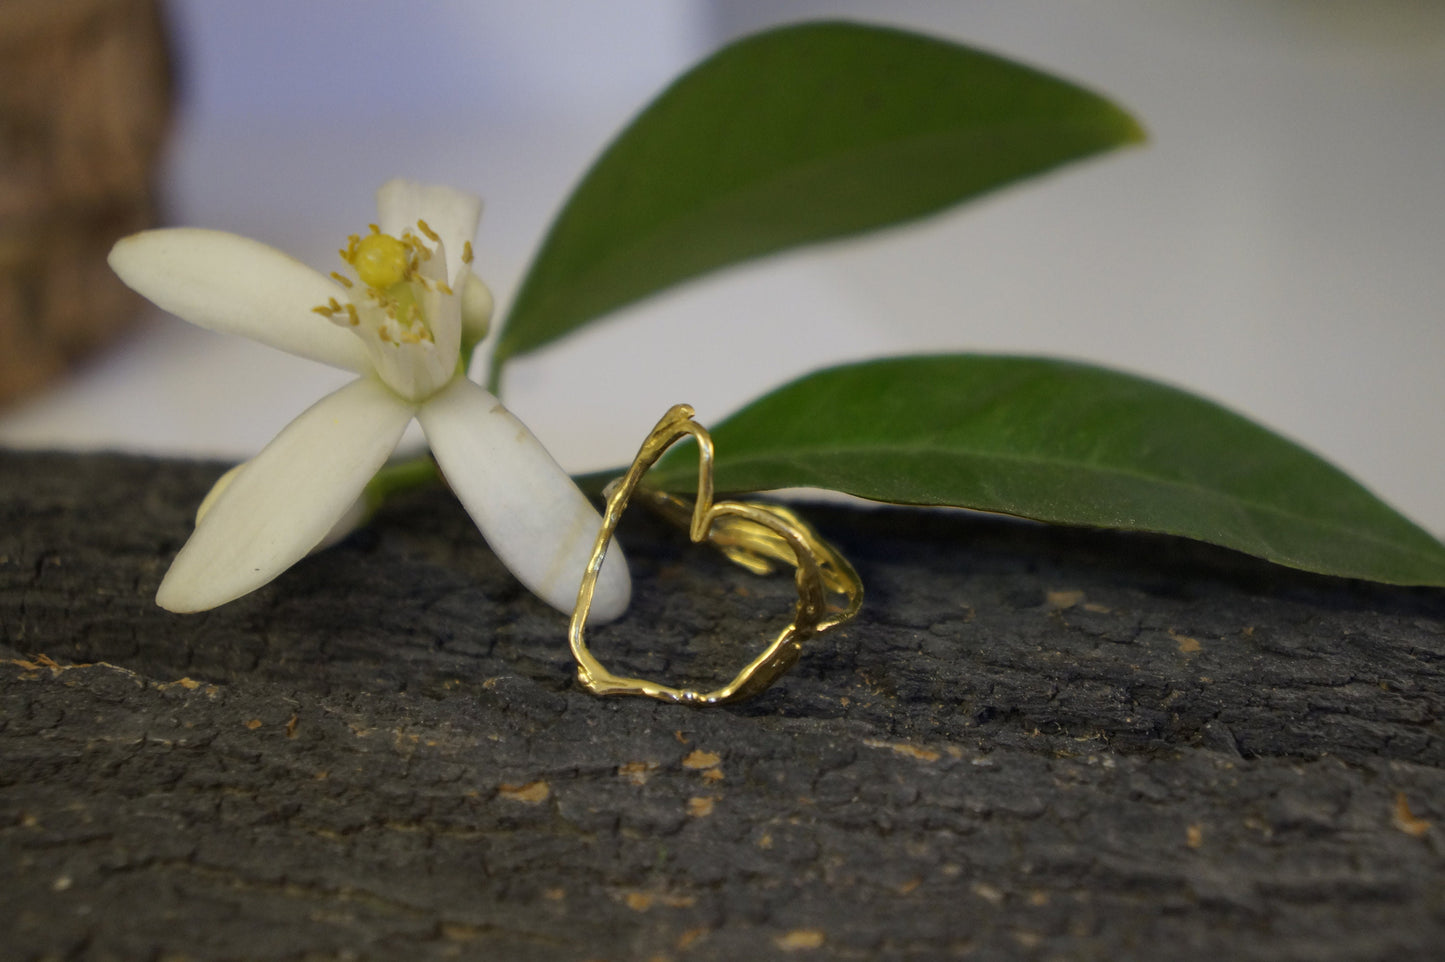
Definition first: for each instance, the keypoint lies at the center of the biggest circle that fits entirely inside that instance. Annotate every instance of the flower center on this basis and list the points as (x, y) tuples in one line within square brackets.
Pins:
[(402, 309), (380, 260), (391, 269)]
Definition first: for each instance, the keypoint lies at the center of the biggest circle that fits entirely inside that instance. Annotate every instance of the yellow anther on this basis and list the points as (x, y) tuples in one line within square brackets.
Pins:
[(431, 235), (323, 310), (351, 314), (444, 287), (341, 279), (467, 252), (381, 261)]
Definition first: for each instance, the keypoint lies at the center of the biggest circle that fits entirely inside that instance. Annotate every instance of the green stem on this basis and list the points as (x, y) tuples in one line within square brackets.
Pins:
[(398, 477)]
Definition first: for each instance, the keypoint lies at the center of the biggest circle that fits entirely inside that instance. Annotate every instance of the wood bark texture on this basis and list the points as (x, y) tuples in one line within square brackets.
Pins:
[(1033, 743)]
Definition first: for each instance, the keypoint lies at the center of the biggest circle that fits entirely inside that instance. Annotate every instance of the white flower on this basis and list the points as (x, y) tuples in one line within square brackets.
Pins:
[(400, 325)]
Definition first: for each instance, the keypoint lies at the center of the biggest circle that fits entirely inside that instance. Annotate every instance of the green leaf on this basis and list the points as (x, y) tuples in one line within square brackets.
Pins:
[(1062, 442), (793, 136)]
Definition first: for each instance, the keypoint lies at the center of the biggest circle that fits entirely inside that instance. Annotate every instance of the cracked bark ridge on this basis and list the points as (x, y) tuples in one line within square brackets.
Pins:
[(1033, 742)]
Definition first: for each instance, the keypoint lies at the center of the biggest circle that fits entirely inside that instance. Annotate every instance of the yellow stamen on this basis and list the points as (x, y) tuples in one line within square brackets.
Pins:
[(444, 287), (467, 252), (351, 314), (431, 235), (341, 279)]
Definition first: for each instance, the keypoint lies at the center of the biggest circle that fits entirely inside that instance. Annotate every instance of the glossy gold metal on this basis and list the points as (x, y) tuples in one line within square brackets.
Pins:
[(756, 535)]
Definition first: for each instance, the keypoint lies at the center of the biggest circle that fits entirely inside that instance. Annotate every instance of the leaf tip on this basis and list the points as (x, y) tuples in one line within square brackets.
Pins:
[(1132, 130)]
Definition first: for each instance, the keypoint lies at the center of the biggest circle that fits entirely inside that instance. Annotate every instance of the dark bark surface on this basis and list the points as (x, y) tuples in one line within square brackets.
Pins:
[(1033, 742)]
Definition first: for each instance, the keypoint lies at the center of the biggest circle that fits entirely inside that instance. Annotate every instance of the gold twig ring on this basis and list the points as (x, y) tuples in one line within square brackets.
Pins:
[(755, 535)]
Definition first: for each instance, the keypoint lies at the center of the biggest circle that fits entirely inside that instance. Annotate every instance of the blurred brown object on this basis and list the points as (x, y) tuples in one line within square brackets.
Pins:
[(85, 94)]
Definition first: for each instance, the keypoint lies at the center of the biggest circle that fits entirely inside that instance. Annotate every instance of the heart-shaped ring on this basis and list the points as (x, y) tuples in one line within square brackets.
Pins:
[(753, 534)]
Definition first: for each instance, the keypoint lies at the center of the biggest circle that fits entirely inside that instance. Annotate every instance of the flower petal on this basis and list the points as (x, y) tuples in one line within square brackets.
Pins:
[(477, 305), (531, 513), (443, 313), (235, 285), (453, 214), (354, 517), (287, 498)]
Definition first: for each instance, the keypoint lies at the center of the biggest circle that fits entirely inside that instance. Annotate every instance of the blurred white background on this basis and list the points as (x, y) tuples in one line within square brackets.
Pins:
[(1279, 245)]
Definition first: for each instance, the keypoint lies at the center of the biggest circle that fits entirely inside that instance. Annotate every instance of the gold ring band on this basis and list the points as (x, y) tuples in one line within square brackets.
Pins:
[(755, 535)]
